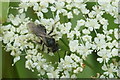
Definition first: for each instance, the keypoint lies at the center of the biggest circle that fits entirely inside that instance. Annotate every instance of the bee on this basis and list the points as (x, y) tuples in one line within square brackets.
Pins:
[(40, 31)]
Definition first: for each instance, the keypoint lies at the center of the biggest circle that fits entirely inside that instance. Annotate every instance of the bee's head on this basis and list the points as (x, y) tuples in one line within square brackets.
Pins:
[(50, 42)]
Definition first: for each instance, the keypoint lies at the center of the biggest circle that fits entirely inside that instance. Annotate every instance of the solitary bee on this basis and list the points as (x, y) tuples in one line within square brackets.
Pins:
[(46, 39)]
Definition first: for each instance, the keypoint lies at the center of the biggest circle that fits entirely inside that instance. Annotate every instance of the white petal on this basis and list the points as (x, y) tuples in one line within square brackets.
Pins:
[(16, 59), (100, 60)]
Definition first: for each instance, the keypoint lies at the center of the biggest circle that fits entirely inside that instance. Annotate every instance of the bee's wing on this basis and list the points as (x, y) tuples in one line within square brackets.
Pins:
[(42, 28), (38, 30)]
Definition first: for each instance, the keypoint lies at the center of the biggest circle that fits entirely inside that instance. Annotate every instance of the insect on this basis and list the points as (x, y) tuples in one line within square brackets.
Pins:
[(41, 33)]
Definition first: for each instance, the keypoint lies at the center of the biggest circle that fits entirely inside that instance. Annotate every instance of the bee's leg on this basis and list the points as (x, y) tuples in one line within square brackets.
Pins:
[(53, 35), (41, 42), (51, 31), (38, 42), (48, 50), (42, 47)]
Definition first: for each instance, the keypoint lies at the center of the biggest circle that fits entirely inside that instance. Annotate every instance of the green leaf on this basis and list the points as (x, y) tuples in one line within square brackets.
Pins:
[(0, 60), (8, 71), (92, 67), (24, 72), (4, 8)]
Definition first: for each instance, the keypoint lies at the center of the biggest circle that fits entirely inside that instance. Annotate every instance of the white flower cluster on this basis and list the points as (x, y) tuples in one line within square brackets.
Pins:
[(15, 38), (89, 33), (69, 64), (36, 61)]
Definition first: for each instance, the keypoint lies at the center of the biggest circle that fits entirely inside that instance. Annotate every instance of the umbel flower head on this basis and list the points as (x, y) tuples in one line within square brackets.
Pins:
[(80, 30)]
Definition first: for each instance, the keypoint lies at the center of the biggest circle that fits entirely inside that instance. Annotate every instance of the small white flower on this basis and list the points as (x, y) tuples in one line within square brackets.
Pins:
[(16, 21), (32, 52), (84, 50), (69, 15), (70, 35), (114, 52), (28, 64), (28, 57), (77, 33), (84, 9), (65, 29), (100, 43), (116, 33), (67, 75), (73, 44), (105, 55), (110, 45), (44, 4), (80, 23), (59, 5), (68, 1), (92, 24), (102, 76), (45, 10), (86, 31), (36, 7), (53, 74), (53, 8), (40, 14), (6, 28), (92, 14), (109, 38), (115, 43), (75, 57), (68, 59), (79, 69), (110, 70), (21, 10), (69, 7), (64, 12), (103, 21), (24, 6), (51, 1), (76, 11), (45, 22), (16, 59), (8, 37), (87, 38)]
